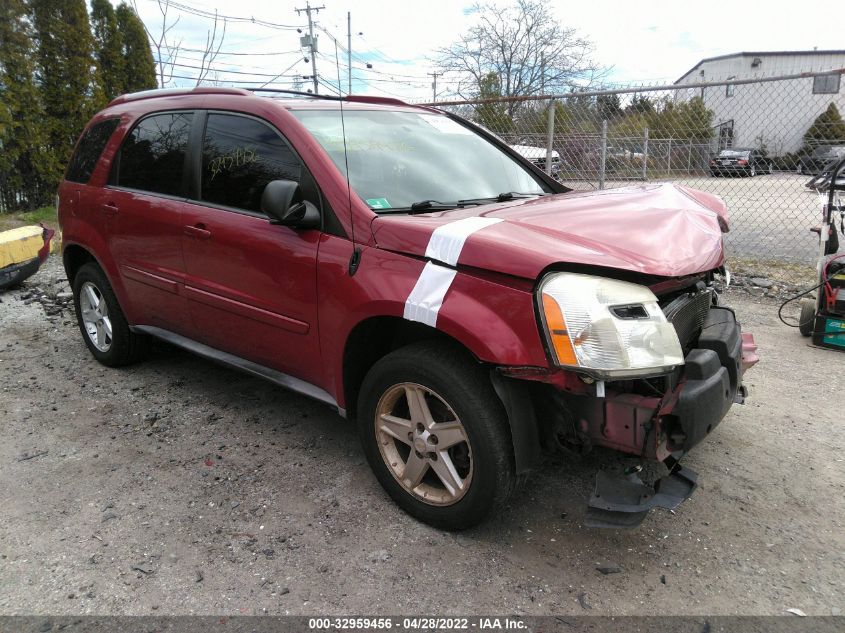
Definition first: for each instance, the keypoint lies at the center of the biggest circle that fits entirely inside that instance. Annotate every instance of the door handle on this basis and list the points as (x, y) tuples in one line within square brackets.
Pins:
[(199, 231), (110, 208)]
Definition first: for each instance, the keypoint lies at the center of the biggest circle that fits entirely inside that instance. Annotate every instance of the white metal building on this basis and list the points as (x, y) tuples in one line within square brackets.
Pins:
[(772, 115)]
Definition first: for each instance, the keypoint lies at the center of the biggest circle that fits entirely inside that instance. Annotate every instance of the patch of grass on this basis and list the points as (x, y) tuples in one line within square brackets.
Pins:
[(44, 215)]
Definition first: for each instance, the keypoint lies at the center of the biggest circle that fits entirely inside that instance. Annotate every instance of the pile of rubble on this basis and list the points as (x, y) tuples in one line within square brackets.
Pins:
[(51, 289), (758, 286)]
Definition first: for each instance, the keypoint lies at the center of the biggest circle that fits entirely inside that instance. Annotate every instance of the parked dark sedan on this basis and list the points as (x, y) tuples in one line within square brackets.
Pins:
[(814, 163), (740, 162)]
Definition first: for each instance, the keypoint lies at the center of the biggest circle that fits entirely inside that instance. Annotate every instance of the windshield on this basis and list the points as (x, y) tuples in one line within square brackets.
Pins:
[(734, 153), (397, 159)]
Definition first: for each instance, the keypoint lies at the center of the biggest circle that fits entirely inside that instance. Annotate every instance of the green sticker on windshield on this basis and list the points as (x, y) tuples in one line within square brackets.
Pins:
[(378, 203)]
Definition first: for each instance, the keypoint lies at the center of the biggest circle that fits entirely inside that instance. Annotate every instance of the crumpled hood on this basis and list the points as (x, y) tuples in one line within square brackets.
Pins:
[(656, 229)]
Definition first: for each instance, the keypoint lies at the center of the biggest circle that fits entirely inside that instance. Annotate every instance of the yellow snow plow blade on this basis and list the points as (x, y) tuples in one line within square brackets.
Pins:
[(20, 245)]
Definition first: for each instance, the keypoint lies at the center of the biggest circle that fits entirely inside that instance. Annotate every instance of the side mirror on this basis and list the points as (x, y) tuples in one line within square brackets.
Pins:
[(282, 202)]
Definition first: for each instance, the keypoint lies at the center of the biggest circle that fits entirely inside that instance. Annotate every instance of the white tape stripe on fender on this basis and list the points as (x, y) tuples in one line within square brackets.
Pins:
[(425, 299), (445, 245), (447, 241)]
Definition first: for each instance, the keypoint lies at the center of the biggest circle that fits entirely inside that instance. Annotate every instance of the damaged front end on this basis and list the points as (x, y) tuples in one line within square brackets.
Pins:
[(656, 417)]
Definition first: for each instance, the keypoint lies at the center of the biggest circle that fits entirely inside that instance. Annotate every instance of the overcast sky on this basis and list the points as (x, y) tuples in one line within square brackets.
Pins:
[(642, 40)]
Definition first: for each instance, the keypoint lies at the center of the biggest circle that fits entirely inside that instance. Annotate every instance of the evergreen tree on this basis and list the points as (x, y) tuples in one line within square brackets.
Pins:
[(109, 42), (608, 107), (826, 129), (139, 67), (27, 169), (66, 71), (493, 116)]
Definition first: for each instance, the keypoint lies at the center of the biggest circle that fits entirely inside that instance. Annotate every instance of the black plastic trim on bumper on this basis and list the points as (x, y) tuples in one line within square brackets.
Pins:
[(15, 274), (712, 379), (623, 502)]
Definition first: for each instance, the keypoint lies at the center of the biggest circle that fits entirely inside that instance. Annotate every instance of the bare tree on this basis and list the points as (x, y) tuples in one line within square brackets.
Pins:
[(212, 49), (167, 48), (525, 47)]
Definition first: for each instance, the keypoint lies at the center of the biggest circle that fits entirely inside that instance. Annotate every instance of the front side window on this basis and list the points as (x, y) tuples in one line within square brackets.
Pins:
[(153, 156), (826, 84), (240, 156), (88, 151), (398, 158)]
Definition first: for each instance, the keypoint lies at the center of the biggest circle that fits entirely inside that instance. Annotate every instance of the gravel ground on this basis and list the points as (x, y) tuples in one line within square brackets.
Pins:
[(180, 487)]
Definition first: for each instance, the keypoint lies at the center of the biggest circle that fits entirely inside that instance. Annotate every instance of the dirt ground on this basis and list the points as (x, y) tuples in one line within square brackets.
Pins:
[(180, 487)]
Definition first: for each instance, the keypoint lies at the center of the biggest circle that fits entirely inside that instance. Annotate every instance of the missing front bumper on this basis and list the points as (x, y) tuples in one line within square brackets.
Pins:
[(623, 502)]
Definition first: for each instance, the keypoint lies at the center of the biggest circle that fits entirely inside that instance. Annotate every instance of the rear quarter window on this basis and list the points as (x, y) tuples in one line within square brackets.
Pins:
[(89, 149)]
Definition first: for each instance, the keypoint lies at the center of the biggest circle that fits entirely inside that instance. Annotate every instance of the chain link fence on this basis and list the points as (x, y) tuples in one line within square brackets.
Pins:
[(755, 143)]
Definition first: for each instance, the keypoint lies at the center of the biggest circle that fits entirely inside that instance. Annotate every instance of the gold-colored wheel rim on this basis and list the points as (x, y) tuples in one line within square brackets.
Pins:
[(423, 444)]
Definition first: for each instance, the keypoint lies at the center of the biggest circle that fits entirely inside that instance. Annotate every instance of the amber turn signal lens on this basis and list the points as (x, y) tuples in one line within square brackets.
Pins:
[(558, 333)]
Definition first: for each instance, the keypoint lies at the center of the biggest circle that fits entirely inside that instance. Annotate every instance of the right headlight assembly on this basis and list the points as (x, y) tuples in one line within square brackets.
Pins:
[(606, 328)]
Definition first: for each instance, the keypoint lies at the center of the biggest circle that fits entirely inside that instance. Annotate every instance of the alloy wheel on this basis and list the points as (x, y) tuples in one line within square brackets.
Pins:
[(424, 444), (95, 316)]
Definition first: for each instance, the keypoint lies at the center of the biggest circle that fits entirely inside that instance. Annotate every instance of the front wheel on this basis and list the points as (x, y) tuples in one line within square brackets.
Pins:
[(436, 435)]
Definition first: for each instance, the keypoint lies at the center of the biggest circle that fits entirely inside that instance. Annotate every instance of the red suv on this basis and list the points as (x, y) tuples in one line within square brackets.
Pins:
[(411, 270)]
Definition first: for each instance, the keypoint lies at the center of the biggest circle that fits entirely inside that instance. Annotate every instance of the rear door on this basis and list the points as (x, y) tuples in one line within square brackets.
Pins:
[(144, 199), (251, 285)]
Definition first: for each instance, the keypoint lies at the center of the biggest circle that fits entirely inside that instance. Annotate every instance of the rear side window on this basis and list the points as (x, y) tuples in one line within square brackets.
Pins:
[(88, 150), (153, 155), (240, 156)]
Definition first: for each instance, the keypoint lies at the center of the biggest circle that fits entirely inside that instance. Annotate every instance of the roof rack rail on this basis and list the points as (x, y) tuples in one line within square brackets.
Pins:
[(348, 98), (295, 92), (369, 99), (168, 92)]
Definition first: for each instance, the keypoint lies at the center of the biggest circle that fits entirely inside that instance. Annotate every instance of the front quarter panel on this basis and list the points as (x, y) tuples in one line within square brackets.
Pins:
[(495, 322)]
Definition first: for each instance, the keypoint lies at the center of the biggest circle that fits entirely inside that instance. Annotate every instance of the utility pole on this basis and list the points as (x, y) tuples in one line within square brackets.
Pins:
[(312, 43), (349, 49), (434, 86)]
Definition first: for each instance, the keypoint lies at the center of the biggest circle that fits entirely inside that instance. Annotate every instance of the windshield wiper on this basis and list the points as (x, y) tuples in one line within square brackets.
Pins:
[(502, 197), (424, 206), (432, 205)]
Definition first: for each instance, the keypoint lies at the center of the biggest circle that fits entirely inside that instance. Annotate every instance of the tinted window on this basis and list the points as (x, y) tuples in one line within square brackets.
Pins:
[(88, 150), (240, 156), (153, 156)]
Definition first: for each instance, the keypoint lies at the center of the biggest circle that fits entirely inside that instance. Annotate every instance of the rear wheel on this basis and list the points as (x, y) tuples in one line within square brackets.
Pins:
[(807, 319), (101, 321), (436, 435)]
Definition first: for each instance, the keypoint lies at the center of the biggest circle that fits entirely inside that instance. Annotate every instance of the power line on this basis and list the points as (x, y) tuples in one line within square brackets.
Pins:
[(202, 50), (232, 81), (224, 70), (230, 18)]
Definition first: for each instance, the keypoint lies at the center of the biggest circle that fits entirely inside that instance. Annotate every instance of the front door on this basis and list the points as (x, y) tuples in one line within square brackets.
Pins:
[(251, 286)]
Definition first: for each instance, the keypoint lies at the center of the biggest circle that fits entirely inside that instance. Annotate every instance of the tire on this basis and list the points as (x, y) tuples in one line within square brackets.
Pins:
[(122, 346), (752, 172), (807, 319), (453, 387)]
